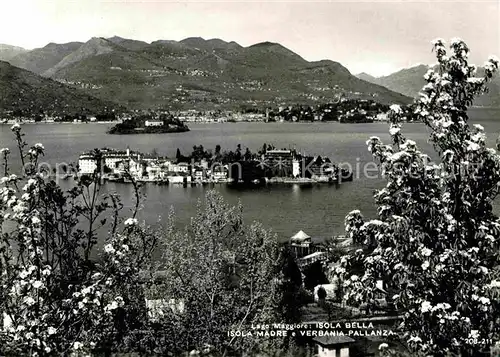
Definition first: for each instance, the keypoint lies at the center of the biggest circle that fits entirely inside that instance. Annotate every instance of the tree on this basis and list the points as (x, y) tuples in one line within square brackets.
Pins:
[(248, 155), (436, 239), (237, 155), (321, 294), (224, 272), (290, 287), (314, 275), (55, 298)]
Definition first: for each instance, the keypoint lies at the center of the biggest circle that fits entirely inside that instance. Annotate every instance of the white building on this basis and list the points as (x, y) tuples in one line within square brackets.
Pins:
[(382, 117), (295, 168), (181, 167), (87, 164), (220, 172), (153, 123), (178, 179), (112, 159), (333, 346)]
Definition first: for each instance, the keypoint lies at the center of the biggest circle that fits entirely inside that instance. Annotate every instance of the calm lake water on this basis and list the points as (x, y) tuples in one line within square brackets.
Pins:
[(318, 210)]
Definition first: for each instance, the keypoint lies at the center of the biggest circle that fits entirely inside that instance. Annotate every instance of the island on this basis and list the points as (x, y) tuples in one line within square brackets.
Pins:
[(150, 124), (242, 167)]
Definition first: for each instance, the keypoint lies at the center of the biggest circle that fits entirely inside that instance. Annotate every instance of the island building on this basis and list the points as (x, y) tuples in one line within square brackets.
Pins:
[(88, 161), (117, 164), (289, 163), (284, 165), (153, 123)]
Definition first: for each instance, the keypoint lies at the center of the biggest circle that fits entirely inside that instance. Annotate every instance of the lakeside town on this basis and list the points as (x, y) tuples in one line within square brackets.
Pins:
[(343, 110), (268, 165)]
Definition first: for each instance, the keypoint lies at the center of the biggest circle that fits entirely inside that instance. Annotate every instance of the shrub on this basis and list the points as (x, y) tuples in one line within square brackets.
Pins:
[(437, 240)]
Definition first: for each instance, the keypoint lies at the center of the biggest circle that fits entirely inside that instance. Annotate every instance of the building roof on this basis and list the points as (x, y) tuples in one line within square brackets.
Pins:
[(275, 151), (300, 236), (333, 340)]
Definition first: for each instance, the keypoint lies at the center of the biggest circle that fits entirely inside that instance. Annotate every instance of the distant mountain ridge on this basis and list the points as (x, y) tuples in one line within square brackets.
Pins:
[(410, 81), (7, 52), (42, 59), (195, 72)]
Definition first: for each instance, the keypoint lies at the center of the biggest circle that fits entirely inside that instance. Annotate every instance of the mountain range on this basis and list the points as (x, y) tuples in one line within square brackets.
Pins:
[(7, 52), (194, 73), (409, 81)]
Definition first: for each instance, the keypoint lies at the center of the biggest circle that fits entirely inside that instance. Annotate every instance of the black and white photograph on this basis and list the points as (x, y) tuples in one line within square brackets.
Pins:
[(257, 178)]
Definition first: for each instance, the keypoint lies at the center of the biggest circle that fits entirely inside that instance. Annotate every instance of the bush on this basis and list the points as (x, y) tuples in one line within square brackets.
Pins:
[(55, 298), (437, 240)]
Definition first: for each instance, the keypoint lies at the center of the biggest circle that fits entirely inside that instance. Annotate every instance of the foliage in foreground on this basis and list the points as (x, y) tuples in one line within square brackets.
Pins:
[(55, 296), (59, 295), (221, 275), (437, 240)]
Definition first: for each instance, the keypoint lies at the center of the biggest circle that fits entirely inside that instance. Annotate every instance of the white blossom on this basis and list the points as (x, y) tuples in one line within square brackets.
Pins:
[(438, 41), (474, 334), (396, 109), (425, 306), (414, 339), (394, 130), (77, 345), (484, 300), (494, 284), (425, 265), (493, 59), (426, 252), (112, 306), (131, 222), (108, 248), (29, 301), (383, 346), (37, 284)]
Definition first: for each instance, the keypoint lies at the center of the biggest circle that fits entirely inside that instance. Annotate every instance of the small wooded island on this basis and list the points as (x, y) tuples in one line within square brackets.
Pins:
[(149, 124)]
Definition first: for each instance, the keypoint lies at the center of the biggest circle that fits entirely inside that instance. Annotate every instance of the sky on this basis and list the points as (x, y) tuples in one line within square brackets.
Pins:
[(376, 37)]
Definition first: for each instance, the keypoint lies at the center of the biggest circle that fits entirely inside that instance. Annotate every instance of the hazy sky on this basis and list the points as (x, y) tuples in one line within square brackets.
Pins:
[(377, 37)]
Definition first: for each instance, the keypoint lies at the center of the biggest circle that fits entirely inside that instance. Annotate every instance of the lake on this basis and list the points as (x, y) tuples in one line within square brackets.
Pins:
[(318, 210)]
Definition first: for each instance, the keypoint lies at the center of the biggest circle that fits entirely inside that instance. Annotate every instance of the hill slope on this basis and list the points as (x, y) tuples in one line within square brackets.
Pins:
[(94, 47), (367, 77), (24, 91), (8, 52), (409, 81), (42, 59)]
